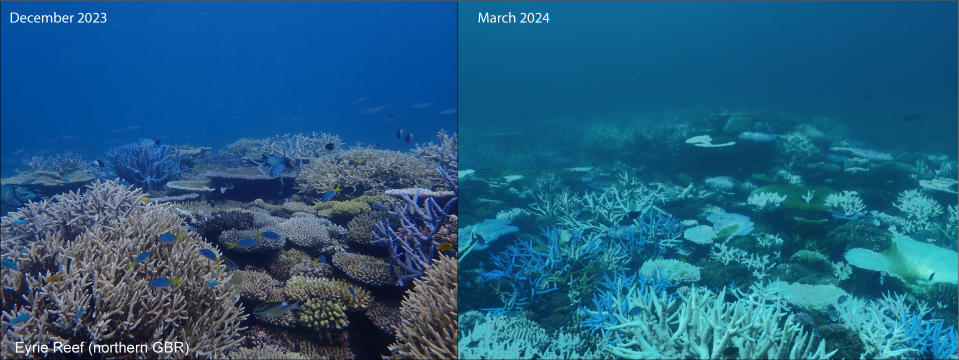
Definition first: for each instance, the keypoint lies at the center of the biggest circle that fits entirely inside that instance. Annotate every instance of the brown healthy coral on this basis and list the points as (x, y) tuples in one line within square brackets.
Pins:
[(257, 286), (364, 268), (359, 170), (428, 328), (91, 239), (310, 231), (303, 287), (384, 316), (360, 229)]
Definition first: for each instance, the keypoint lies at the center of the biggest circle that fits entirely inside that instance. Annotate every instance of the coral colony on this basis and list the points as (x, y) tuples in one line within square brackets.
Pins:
[(239, 252), (722, 236)]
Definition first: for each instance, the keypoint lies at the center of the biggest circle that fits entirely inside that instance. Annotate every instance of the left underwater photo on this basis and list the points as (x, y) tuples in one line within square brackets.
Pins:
[(228, 180)]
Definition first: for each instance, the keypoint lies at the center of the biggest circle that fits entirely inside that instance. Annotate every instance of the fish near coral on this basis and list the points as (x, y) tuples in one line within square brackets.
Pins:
[(167, 238), (275, 309), (7, 263), (164, 282), (243, 244), (209, 254), (19, 319), (143, 256), (327, 196), (54, 278), (269, 235)]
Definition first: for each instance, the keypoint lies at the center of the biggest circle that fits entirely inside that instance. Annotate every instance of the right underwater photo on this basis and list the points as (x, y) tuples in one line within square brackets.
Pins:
[(708, 180)]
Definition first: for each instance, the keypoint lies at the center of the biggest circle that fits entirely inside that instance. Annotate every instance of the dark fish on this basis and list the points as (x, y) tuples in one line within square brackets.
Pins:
[(362, 99), (330, 146), (243, 244), (352, 292), (833, 315), (7, 263), (275, 309), (731, 351), (191, 228), (399, 134), (635, 311), (98, 163), (228, 261), (931, 275), (842, 299), (19, 319), (164, 282), (372, 110), (167, 238), (409, 137), (209, 254), (327, 196), (390, 116)]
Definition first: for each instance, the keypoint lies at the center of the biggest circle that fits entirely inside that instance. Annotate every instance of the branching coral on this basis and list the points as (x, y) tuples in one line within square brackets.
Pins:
[(62, 164), (444, 154), (257, 286), (309, 231), (90, 239), (363, 268), (359, 170), (413, 244), (149, 166), (428, 313)]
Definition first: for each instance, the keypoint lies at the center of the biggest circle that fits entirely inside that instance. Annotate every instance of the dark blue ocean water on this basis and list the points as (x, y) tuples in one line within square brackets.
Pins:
[(867, 64), (208, 73)]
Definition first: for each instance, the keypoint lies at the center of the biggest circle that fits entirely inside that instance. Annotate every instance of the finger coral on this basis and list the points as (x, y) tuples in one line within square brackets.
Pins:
[(428, 326), (91, 240), (323, 316)]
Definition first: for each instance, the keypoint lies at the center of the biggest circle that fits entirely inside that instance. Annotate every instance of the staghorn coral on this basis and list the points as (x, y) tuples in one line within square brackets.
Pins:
[(428, 313), (359, 170), (363, 268), (326, 317), (264, 352), (315, 352), (257, 286), (149, 166), (90, 238), (443, 154), (302, 287), (61, 164), (309, 231)]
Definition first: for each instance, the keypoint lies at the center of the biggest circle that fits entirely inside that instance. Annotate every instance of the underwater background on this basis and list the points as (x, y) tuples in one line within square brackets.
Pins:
[(247, 179), (709, 180)]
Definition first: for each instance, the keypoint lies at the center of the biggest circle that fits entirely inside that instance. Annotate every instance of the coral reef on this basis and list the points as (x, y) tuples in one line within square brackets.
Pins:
[(364, 268), (353, 297), (148, 165), (90, 239), (359, 170), (326, 317), (428, 326)]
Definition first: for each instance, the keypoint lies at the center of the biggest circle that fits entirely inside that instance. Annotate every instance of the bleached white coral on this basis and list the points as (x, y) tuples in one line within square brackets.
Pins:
[(920, 210), (678, 271), (877, 324), (765, 200), (846, 203)]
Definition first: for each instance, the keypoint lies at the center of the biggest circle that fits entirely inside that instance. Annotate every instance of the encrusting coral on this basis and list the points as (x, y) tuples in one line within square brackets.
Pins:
[(78, 280), (428, 326)]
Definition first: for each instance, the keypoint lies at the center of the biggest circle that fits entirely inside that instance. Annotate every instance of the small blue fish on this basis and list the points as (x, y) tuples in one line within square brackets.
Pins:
[(931, 275), (65, 179), (30, 196), (164, 282), (143, 256), (352, 292), (191, 228), (208, 253), (19, 319), (124, 183), (212, 283), (18, 222), (167, 238), (243, 244), (7, 263), (327, 196), (269, 235)]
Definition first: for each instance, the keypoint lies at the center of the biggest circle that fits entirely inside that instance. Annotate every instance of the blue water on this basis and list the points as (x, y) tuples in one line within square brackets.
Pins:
[(865, 64), (208, 73)]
